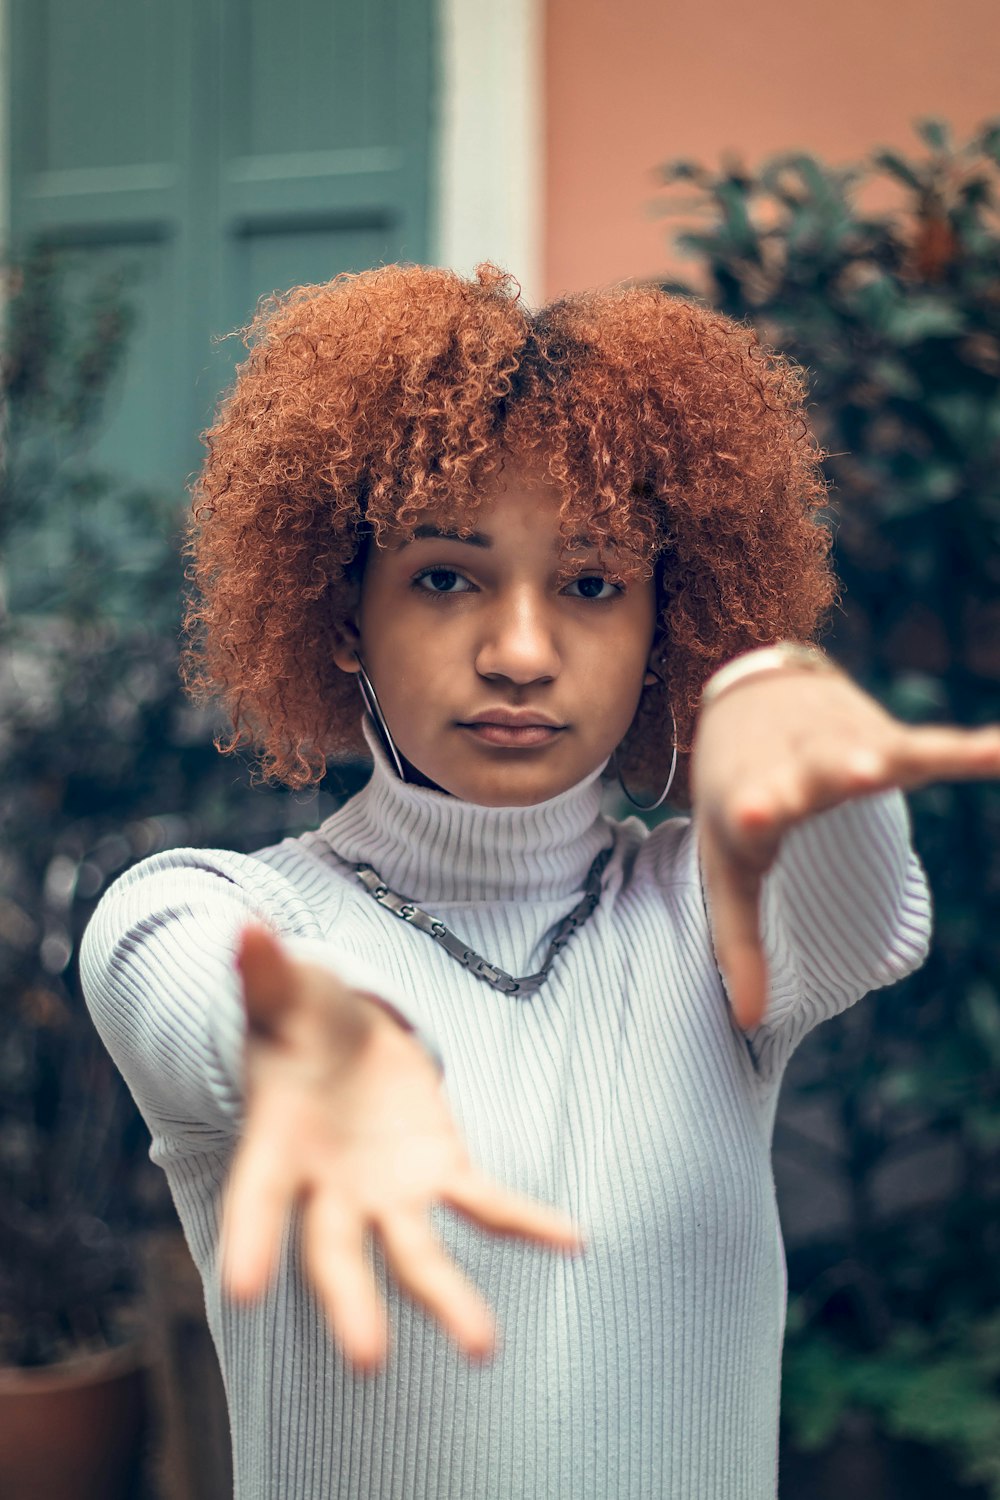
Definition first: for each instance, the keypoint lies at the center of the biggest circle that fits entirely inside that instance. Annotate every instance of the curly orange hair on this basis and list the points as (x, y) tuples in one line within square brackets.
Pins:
[(367, 402)]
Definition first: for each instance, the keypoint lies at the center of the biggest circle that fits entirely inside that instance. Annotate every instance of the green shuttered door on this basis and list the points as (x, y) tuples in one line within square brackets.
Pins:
[(218, 150)]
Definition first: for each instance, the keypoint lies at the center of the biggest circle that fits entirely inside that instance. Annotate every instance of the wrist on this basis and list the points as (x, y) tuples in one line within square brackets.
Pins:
[(380, 1015), (388, 1024), (783, 656)]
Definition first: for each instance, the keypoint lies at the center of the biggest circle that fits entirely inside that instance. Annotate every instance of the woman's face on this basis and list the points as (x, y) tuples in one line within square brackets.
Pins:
[(503, 679)]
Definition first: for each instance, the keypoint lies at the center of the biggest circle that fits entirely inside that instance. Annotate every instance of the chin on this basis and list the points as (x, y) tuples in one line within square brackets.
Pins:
[(512, 786), (520, 798), (519, 780)]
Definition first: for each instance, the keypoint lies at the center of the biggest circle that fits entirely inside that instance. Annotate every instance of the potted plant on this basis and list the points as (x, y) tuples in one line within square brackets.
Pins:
[(71, 1350)]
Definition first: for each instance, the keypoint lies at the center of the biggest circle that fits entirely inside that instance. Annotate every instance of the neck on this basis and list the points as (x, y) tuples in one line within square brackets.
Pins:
[(432, 846)]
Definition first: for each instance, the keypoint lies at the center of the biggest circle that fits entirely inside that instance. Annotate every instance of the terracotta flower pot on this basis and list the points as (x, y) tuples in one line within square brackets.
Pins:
[(73, 1431)]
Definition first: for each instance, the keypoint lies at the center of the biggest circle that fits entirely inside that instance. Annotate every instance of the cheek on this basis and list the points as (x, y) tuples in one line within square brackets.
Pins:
[(624, 665), (383, 620), (623, 694), (631, 643), (415, 666)]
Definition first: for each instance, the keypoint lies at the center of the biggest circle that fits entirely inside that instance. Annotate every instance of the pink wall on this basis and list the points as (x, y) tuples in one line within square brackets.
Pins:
[(631, 83)]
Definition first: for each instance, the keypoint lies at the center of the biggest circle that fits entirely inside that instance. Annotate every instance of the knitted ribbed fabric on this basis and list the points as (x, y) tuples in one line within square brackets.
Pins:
[(647, 1367)]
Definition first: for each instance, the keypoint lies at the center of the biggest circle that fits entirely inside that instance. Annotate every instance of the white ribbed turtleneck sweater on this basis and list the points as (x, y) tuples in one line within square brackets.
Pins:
[(649, 1366)]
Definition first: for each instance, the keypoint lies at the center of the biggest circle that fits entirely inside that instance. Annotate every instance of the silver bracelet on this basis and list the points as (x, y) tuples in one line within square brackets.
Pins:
[(780, 656)]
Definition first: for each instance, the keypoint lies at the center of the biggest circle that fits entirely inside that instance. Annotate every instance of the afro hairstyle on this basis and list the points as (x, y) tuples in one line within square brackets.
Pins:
[(376, 399)]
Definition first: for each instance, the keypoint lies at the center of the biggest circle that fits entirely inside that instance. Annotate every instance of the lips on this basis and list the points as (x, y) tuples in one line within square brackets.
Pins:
[(513, 729), (513, 718), (523, 736)]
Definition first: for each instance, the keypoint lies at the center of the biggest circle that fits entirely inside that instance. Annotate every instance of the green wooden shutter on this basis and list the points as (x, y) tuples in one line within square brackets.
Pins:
[(218, 150)]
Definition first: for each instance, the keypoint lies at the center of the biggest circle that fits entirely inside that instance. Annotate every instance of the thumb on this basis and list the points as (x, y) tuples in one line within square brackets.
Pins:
[(268, 975)]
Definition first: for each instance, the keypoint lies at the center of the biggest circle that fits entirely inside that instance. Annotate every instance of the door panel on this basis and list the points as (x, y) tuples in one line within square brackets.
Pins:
[(91, 103), (218, 150), (136, 442)]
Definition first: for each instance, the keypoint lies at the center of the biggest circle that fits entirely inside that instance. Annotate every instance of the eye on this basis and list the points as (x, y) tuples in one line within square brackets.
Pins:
[(593, 586), (441, 581)]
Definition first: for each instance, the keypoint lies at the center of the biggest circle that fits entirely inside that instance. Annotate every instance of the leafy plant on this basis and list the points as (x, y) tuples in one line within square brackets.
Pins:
[(894, 311), (101, 762)]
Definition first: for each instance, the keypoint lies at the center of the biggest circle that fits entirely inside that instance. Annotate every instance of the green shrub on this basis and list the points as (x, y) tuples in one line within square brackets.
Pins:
[(894, 311), (101, 761)]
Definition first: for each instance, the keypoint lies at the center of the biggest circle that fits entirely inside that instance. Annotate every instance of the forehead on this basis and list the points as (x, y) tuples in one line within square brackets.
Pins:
[(517, 503), (491, 530), (519, 496), (518, 485)]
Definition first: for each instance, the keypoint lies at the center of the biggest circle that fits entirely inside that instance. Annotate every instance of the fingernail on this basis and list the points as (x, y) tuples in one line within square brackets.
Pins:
[(232, 1285), (489, 1347)]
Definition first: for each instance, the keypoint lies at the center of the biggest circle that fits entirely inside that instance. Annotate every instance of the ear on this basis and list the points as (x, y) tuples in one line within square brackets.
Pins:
[(656, 662), (654, 668), (347, 645)]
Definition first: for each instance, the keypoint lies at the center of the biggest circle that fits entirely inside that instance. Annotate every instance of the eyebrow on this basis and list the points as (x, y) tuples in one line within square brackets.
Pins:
[(474, 538), (479, 539)]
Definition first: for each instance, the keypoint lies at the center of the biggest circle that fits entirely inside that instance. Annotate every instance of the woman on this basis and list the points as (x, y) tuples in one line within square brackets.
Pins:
[(548, 549)]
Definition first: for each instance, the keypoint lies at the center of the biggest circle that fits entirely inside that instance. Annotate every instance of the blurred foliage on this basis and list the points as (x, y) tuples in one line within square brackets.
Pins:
[(101, 761), (894, 311)]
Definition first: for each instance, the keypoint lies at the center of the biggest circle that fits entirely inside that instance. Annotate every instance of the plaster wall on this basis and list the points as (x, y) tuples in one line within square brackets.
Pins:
[(632, 84)]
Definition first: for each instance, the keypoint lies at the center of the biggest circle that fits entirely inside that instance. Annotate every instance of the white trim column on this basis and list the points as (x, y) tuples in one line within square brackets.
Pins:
[(489, 199), (5, 108)]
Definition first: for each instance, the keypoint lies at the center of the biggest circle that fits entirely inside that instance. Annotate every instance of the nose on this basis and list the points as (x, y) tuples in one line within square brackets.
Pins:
[(519, 641)]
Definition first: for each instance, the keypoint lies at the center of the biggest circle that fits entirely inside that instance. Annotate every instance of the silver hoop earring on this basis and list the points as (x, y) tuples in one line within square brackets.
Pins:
[(649, 806), (378, 717)]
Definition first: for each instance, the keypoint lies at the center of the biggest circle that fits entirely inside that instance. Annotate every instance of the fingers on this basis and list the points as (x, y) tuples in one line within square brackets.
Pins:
[(903, 757), (505, 1212), (334, 1250), (931, 753), (733, 890), (258, 1198), (269, 977), (424, 1271), (740, 838)]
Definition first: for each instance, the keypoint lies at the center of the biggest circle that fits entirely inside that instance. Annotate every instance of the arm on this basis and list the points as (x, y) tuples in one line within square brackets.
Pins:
[(844, 909), (225, 1033), (813, 891), (158, 964)]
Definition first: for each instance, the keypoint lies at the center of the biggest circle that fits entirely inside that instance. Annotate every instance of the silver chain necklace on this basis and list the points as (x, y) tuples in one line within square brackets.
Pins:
[(409, 912)]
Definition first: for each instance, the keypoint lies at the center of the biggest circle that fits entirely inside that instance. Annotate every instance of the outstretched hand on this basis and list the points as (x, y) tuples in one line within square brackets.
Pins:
[(346, 1115), (775, 749)]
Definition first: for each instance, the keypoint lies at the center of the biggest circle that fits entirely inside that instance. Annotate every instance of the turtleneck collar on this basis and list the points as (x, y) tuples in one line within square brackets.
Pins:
[(434, 847)]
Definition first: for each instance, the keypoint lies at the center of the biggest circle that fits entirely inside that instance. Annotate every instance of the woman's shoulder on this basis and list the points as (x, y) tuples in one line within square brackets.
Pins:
[(291, 872), (662, 856)]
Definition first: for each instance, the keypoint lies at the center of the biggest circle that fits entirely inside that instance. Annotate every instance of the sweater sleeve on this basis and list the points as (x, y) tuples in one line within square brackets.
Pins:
[(845, 909), (157, 964)]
